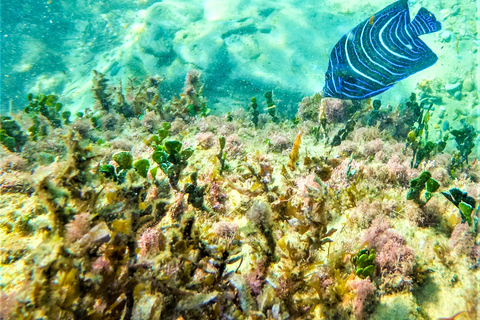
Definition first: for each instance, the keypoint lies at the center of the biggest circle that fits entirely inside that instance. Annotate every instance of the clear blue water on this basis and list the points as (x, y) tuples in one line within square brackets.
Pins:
[(242, 48)]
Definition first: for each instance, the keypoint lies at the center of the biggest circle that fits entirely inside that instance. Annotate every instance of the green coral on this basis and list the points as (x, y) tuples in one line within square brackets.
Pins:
[(417, 185), (125, 162), (465, 204), (253, 108), (124, 159), (172, 159), (364, 263), (49, 107), (161, 135), (417, 138), (464, 138), (108, 171), (142, 167), (271, 105), (12, 135)]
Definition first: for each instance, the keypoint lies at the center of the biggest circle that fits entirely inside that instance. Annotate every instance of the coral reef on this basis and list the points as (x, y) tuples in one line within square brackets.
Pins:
[(149, 208)]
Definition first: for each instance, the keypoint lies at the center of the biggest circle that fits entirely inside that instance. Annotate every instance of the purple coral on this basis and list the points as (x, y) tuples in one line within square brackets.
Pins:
[(398, 170), (226, 230), (365, 134), (101, 265), (364, 290), (217, 198), (192, 80), (347, 147), (83, 127), (305, 184), (256, 279), (260, 214), (396, 257), (205, 139), (178, 125), (209, 123), (8, 304), (78, 227), (463, 240), (151, 121), (234, 146), (393, 256), (279, 142), (373, 147), (368, 210), (336, 110), (339, 179), (13, 162), (151, 241), (122, 144), (308, 108), (111, 121)]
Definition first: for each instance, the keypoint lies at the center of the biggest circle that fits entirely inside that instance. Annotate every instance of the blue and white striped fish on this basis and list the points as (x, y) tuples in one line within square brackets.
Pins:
[(379, 52)]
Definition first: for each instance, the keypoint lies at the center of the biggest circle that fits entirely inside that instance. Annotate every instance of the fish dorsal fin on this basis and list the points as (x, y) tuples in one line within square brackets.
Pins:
[(424, 22)]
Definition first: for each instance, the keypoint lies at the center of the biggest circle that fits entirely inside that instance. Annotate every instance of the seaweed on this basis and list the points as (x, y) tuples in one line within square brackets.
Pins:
[(100, 91), (364, 263), (253, 108), (294, 154), (375, 114), (172, 159), (11, 134), (46, 106), (222, 155), (195, 193), (121, 242), (343, 133), (465, 204), (423, 181), (271, 107), (417, 137), (464, 139)]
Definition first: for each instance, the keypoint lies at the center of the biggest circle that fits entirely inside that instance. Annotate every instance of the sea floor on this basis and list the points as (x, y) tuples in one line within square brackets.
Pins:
[(144, 208), (133, 186)]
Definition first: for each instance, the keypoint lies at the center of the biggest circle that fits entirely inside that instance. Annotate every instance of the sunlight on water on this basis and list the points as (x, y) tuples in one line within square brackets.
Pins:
[(239, 159)]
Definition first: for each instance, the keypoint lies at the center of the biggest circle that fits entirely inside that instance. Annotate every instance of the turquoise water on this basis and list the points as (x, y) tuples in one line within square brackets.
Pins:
[(241, 47), (291, 202)]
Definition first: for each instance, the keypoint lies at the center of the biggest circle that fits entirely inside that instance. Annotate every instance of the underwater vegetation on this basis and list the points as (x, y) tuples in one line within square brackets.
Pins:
[(149, 207)]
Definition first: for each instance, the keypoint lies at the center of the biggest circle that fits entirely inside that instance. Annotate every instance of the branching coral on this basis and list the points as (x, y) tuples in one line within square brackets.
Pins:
[(364, 290), (393, 257), (191, 102), (11, 134)]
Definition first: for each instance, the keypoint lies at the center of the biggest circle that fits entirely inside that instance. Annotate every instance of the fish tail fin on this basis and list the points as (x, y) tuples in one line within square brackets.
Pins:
[(424, 22)]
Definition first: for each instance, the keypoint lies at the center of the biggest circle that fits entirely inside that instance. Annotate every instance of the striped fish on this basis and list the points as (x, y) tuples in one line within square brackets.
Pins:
[(379, 52)]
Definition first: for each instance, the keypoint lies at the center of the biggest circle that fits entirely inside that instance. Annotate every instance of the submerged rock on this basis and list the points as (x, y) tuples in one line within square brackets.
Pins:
[(468, 84), (451, 88)]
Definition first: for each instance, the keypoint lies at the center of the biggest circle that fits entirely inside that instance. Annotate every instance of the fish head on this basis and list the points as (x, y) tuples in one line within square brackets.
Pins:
[(335, 79)]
